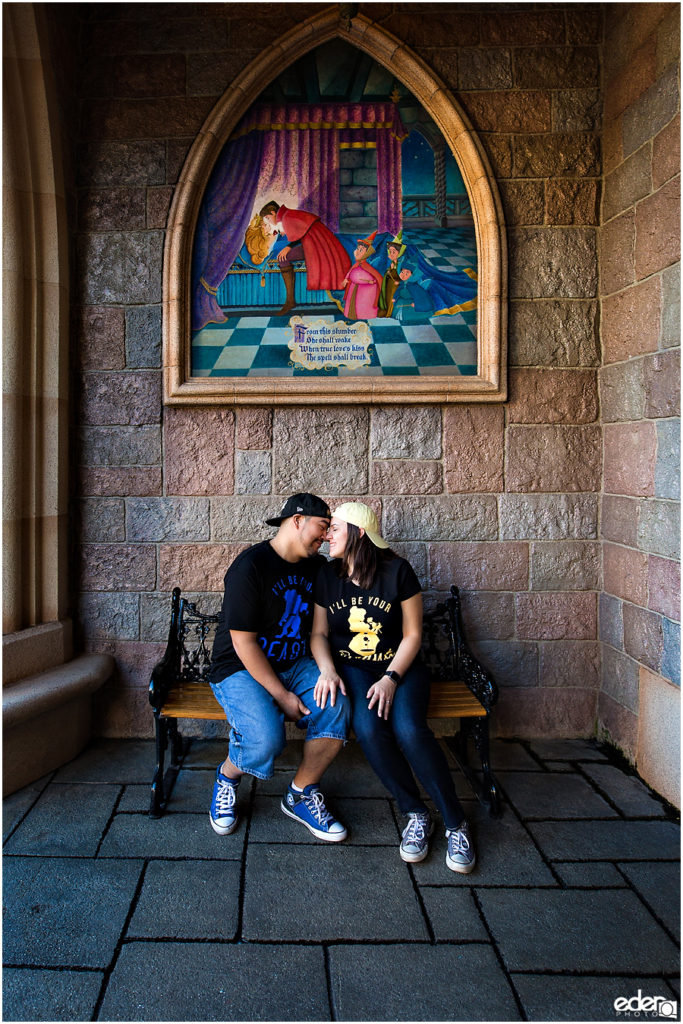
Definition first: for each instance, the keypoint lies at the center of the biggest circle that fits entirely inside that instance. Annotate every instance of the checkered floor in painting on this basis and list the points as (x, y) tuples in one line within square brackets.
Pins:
[(445, 248), (257, 346)]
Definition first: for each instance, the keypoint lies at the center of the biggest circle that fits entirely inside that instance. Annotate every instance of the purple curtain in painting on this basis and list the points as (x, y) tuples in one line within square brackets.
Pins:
[(223, 218), (389, 191), (292, 148), (301, 155)]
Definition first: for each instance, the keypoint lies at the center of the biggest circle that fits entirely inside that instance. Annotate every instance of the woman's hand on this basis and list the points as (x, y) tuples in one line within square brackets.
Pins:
[(328, 683), (382, 693)]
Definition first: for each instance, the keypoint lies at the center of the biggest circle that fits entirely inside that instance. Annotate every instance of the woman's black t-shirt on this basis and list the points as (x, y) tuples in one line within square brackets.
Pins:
[(366, 625)]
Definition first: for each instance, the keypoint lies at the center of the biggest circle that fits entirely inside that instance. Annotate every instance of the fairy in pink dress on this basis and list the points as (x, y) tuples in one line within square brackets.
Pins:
[(362, 283)]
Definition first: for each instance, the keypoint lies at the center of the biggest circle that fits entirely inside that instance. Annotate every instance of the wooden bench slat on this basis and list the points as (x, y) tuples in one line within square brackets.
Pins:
[(451, 699)]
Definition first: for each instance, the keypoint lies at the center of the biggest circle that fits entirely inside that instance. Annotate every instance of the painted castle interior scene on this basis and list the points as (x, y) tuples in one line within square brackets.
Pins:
[(335, 235)]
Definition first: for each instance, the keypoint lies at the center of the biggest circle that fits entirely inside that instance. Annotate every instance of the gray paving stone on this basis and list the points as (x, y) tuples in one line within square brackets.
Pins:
[(553, 795), (191, 899), (511, 756), (348, 775), (628, 793), (238, 982), (135, 797), (505, 855), (67, 821), (174, 835), (593, 875), (194, 788), (343, 892), (453, 914), (559, 766), (29, 994), (15, 806), (571, 929), (608, 840), (62, 912), (566, 998), (409, 982), (660, 886), (368, 822), (567, 750), (111, 761), (206, 754)]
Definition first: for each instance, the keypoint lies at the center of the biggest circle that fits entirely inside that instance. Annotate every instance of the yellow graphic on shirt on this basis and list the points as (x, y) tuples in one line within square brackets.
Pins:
[(367, 633)]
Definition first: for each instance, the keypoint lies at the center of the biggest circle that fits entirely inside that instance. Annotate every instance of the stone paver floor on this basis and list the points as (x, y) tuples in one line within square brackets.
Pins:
[(574, 903)]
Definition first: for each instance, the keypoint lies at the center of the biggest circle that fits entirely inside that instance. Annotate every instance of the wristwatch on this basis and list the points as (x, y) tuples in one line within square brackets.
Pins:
[(394, 676)]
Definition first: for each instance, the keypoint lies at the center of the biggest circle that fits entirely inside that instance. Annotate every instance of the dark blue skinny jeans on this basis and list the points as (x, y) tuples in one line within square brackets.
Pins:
[(402, 742)]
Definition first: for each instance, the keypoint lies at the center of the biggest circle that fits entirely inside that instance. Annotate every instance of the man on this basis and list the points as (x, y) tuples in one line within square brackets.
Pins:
[(262, 673), (327, 261)]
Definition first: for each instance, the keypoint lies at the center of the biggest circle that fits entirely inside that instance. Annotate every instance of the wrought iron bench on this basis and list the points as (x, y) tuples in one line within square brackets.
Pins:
[(461, 688)]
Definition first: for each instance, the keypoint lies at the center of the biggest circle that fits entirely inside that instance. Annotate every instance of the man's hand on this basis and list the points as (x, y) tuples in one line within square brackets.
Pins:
[(328, 683), (293, 708), (382, 693), (283, 253)]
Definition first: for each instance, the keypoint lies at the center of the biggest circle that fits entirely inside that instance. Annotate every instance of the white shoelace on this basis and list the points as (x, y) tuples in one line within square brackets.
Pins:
[(416, 829), (459, 841), (227, 794), (316, 805)]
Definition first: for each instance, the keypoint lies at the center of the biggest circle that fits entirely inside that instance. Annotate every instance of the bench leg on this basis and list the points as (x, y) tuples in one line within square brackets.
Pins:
[(478, 728), (481, 742), (167, 736), (177, 744), (157, 801)]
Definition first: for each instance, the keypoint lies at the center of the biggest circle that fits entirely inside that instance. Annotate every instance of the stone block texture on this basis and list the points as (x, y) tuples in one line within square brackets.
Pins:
[(640, 383), (555, 512)]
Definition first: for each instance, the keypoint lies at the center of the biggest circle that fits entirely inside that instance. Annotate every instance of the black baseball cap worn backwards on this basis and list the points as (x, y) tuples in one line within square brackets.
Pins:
[(302, 505)]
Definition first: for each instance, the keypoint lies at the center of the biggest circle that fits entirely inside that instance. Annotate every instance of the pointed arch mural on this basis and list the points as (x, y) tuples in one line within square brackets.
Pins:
[(309, 258)]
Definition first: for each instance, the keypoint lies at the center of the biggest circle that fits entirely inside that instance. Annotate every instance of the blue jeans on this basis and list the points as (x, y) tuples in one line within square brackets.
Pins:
[(257, 723), (402, 742)]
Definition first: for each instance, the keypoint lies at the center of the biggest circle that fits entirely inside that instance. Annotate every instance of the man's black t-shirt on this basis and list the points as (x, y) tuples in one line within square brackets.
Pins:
[(366, 626), (266, 595)]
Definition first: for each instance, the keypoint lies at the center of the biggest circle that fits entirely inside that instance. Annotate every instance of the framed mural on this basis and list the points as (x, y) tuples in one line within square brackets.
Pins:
[(335, 254)]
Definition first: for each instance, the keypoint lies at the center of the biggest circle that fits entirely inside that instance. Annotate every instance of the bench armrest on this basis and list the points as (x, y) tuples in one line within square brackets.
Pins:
[(166, 671), (478, 679)]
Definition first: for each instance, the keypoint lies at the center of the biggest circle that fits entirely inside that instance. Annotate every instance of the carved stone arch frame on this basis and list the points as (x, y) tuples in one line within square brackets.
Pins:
[(490, 382)]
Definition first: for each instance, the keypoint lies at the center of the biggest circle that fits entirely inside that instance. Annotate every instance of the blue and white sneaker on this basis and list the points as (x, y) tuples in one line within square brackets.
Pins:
[(460, 854), (415, 839), (308, 807), (223, 811)]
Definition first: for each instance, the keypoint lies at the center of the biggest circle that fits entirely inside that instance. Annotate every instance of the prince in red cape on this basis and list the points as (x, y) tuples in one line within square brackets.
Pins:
[(327, 261)]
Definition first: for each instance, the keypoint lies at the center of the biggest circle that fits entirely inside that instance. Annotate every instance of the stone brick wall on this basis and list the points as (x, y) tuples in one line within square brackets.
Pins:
[(503, 500), (640, 377), (358, 189)]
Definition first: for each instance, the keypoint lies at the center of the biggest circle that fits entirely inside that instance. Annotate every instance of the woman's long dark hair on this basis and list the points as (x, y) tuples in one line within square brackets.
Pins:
[(361, 558)]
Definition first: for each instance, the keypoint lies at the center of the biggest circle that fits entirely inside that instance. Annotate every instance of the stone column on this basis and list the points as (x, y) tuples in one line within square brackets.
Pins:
[(37, 632)]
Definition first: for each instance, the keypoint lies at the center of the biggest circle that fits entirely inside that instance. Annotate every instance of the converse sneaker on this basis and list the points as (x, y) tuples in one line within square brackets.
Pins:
[(223, 812), (460, 854), (415, 841), (309, 808)]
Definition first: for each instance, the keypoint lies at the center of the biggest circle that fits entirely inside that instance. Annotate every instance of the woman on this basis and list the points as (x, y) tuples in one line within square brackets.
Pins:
[(367, 632), (362, 283)]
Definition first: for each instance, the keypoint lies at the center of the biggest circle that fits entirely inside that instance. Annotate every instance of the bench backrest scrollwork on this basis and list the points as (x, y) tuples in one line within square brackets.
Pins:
[(444, 650)]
